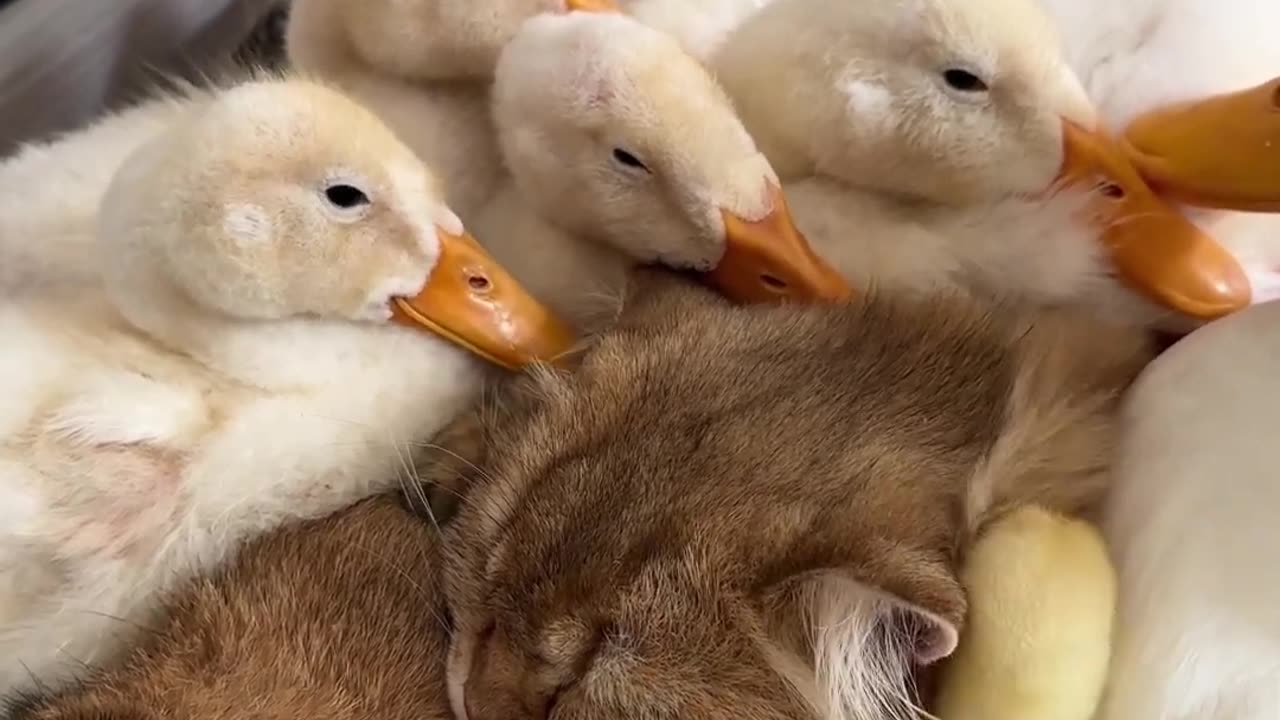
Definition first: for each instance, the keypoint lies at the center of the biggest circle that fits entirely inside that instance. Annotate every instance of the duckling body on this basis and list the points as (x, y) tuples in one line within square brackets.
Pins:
[(235, 366), (1191, 525), (1037, 640), (127, 468)]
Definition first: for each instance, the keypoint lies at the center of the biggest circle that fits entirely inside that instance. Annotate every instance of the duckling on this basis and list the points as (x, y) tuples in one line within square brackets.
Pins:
[(254, 352), (623, 150), (965, 118), (1191, 522), (1037, 636), (1193, 86)]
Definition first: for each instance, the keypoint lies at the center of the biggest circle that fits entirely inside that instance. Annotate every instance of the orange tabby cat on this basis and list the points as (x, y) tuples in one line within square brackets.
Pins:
[(746, 513)]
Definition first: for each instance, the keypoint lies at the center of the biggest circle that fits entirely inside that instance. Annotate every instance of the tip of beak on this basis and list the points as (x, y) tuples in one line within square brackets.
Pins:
[(598, 6), (1173, 262), (770, 259), (472, 301)]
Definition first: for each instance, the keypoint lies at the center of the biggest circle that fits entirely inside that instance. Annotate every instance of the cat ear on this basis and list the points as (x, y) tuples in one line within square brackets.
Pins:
[(867, 645), (838, 603)]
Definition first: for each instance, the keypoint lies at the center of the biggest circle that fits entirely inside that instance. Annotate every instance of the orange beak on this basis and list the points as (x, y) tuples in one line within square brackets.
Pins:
[(769, 259), (471, 301), (1153, 247), (1219, 152), (602, 6)]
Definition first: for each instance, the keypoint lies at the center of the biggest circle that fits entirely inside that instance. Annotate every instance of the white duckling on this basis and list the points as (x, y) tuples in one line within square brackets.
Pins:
[(1195, 87), (623, 150), (922, 142), (255, 352), (1191, 522), (424, 67)]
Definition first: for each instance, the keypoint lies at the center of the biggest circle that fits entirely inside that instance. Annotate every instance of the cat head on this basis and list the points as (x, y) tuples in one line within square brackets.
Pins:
[(751, 512)]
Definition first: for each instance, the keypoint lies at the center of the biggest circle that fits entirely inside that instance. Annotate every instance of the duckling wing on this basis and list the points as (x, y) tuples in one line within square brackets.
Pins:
[(93, 445)]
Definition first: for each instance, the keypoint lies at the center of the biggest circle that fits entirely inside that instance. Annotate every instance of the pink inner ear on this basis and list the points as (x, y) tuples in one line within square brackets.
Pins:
[(933, 637)]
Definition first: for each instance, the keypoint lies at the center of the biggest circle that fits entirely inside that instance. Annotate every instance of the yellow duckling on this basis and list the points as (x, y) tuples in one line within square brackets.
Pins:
[(1037, 639)]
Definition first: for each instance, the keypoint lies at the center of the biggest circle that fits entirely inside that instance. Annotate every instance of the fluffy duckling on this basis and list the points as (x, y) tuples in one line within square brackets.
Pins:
[(623, 150), (965, 117), (1194, 86), (1037, 636), (1191, 522), (253, 353), (620, 149)]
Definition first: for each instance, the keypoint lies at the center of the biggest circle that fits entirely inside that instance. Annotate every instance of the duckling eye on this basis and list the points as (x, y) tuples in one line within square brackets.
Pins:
[(964, 81), (629, 160), (346, 196)]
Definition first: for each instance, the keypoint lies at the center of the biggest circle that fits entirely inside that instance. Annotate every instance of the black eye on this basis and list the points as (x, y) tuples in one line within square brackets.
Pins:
[(964, 81), (346, 196), (628, 159)]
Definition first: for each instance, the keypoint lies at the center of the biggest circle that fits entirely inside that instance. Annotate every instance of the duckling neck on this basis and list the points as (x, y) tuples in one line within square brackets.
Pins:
[(284, 355)]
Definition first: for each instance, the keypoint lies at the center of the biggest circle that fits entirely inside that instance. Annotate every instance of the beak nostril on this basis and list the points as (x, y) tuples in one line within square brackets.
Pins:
[(1111, 190), (773, 282), (479, 283), (1275, 97)]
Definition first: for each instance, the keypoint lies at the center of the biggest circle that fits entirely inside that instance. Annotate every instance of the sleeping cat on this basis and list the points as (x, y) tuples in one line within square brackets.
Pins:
[(753, 513)]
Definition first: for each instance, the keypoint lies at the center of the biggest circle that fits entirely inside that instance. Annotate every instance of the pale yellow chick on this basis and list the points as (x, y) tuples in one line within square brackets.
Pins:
[(1036, 645)]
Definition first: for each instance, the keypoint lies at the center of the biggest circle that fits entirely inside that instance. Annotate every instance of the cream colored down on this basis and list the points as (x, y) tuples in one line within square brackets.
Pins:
[(700, 26), (858, 92), (373, 54), (571, 91), (903, 183), (1037, 637), (235, 368)]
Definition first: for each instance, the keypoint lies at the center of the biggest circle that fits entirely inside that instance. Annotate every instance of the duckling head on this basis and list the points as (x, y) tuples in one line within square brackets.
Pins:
[(615, 134), (283, 202), (945, 100)]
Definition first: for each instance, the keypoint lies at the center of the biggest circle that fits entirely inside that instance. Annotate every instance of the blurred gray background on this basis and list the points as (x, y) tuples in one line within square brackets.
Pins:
[(64, 62)]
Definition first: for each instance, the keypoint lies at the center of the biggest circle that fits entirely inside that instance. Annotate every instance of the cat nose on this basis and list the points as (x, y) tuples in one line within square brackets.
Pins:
[(503, 684)]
